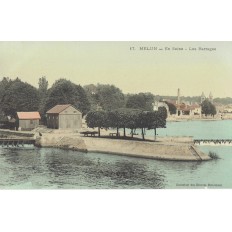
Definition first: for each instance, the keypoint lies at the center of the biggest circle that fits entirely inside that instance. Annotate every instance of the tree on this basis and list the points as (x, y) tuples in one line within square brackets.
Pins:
[(4, 85), (106, 97), (91, 91), (97, 119), (224, 101), (160, 119), (43, 86), (142, 101), (127, 118), (19, 96), (43, 92), (208, 108), (65, 92)]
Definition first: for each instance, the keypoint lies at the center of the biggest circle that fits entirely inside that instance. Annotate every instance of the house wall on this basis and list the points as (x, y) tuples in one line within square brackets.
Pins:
[(28, 123), (53, 121), (228, 110), (196, 111), (70, 118)]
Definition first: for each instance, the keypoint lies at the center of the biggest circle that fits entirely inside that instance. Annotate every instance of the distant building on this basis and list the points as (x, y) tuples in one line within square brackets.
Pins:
[(211, 97), (228, 109), (202, 97), (187, 107), (27, 120), (190, 110), (158, 104), (64, 117)]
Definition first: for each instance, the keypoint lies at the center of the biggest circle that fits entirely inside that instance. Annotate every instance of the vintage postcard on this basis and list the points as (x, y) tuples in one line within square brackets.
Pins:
[(115, 115)]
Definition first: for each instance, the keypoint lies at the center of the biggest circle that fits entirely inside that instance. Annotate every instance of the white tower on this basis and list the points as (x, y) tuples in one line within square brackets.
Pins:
[(202, 97), (211, 97)]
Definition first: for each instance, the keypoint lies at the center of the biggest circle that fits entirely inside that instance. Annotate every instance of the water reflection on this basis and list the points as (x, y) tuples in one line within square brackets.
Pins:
[(182, 166), (55, 168), (124, 174)]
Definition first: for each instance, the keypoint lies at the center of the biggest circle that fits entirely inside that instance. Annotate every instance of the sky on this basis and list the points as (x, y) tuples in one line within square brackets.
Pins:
[(132, 66)]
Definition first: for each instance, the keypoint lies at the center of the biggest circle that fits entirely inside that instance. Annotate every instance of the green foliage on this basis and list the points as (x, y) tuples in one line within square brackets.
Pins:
[(91, 91), (43, 94), (208, 108), (106, 97), (97, 119), (43, 86), (224, 101), (142, 101), (17, 96), (127, 118), (65, 92)]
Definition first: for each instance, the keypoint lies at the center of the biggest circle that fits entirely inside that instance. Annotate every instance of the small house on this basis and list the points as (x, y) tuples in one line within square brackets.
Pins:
[(28, 120), (64, 117)]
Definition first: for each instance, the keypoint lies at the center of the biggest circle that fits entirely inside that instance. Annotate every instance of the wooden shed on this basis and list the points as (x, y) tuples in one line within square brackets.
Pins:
[(28, 120), (64, 117)]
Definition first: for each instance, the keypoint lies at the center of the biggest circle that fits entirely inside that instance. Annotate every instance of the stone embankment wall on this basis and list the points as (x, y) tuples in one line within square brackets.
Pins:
[(61, 141), (10, 133), (164, 150)]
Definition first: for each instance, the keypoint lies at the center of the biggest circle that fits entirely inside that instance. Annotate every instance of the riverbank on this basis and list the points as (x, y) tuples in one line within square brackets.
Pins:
[(165, 148), (209, 118), (178, 149)]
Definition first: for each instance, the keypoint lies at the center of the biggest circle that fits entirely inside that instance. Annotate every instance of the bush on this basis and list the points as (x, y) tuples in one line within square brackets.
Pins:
[(213, 155)]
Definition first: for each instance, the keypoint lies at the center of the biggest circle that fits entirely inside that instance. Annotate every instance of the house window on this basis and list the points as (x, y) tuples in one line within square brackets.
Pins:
[(74, 111), (31, 122)]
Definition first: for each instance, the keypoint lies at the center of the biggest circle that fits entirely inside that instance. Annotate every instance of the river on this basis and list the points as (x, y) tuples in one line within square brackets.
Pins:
[(48, 168)]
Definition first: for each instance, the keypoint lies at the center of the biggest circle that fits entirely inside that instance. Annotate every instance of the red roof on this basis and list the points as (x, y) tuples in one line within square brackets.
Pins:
[(58, 109), (28, 115)]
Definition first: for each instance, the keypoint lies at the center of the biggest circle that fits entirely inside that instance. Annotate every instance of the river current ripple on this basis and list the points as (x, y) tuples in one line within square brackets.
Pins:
[(47, 168)]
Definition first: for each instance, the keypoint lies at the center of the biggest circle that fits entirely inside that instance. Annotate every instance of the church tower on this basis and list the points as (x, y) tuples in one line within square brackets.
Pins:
[(202, 97), (211, 97)]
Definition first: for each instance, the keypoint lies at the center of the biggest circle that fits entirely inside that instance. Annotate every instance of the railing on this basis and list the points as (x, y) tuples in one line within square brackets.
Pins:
[(214, 141)]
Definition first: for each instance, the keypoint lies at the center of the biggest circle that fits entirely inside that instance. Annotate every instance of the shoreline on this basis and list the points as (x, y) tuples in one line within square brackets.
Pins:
[(161, 150), (164, 148), (197, 119)]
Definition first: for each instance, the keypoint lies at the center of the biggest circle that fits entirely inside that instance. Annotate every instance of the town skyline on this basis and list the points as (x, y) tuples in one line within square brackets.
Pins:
[(160, 72)]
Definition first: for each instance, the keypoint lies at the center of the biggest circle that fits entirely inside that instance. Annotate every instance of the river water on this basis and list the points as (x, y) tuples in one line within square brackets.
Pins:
[(48, 168)]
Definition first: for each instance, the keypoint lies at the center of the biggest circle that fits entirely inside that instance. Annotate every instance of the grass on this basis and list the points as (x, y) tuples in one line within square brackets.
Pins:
[(213, 155)]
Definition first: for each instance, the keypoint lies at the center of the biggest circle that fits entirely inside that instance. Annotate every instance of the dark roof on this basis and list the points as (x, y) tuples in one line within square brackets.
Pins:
[(28, 115), (58, 109)]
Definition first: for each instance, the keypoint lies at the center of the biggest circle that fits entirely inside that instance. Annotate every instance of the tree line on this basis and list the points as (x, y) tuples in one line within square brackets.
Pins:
[(127, 118), (16, 95)]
